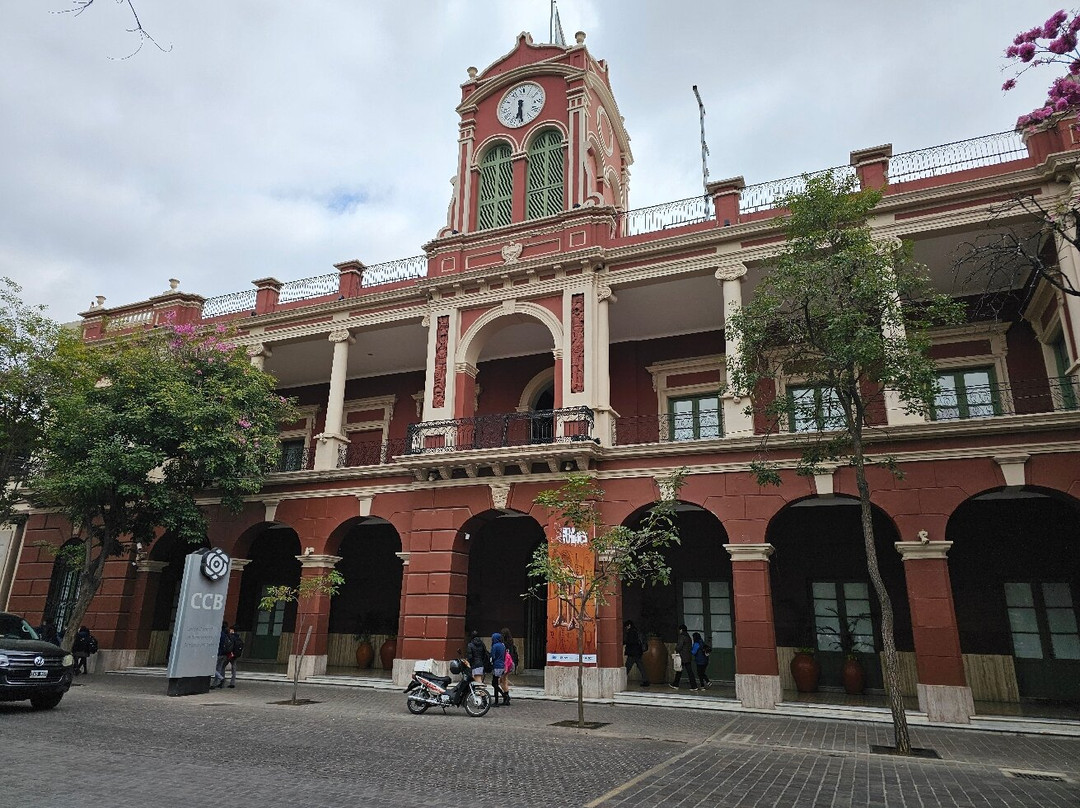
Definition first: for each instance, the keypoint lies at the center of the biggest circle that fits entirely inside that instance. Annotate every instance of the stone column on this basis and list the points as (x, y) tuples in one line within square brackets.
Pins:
[(258, 354), (737, 424), (942, 687), (757, 671), (313, 612), (147, 582), (1069, 263), (603, 414), (332, 438)]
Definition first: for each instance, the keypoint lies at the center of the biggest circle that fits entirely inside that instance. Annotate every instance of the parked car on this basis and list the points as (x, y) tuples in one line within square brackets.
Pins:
[(31, 668)]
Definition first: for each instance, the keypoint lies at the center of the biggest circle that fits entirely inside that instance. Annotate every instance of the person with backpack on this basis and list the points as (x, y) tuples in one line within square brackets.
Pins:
[(634, 647), (234, 654), (80, 649), (701, 658), (224, 647), (511, 663)]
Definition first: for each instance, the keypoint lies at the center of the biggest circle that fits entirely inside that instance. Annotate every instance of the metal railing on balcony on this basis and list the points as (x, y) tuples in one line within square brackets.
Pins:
[(769, 195), (666, 215), (987, 150), (232, 303), (501, 430), (306, 288), (296, 458), (402, 269), (1032, 397)]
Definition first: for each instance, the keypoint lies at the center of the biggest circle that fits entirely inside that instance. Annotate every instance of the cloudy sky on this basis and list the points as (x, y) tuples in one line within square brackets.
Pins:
[(277, 138)]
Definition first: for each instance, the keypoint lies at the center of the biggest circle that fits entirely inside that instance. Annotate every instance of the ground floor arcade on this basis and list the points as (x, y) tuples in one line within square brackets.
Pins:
[(980, 557)]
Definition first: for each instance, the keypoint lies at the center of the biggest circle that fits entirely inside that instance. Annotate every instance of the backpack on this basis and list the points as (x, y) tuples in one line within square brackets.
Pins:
[(237, 645), (509, 661), (92, 644)]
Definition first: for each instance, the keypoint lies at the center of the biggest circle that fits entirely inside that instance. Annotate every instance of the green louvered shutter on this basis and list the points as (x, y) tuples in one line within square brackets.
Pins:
[(544, 195), (496, 188)]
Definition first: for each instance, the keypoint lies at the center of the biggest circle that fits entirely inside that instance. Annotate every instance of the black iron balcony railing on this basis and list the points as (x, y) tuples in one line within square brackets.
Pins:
[(1021, 398), (296, 458), (501, 430)]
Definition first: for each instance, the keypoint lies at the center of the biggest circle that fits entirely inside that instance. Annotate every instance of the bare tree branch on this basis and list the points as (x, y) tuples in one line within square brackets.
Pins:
[(79, 6)]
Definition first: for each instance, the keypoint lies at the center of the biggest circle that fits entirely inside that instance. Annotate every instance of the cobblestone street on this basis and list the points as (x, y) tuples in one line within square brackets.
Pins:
[(119, 741)]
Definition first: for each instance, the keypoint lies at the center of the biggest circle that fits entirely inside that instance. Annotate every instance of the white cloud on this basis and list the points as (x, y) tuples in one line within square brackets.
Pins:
[(216, 162)]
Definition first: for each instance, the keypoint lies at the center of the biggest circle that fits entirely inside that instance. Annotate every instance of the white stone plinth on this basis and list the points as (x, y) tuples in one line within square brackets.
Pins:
[(947, 704), (758, 690), (312, 665), (596, 683)]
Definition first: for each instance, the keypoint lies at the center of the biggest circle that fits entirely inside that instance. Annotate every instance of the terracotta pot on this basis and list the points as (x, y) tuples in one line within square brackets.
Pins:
[(806, 671), (655, 660), (387, 652), (365, 654), (853, 677)]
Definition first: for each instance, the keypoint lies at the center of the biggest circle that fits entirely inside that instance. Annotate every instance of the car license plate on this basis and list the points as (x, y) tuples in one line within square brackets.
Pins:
[(39, 674)]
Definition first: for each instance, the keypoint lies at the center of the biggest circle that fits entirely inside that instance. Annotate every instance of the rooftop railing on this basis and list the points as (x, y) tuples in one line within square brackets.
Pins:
[(769, 195), (232, 303), (402, 269), (666, 215), (987, 150), (305, 288)]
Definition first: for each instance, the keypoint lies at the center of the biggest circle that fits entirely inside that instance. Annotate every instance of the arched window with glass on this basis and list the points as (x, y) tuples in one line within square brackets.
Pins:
[(544, 179), (496, 188), (64, 584)]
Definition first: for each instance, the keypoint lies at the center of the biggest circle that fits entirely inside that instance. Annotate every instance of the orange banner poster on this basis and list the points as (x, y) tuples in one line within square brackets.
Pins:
[(565, 608)]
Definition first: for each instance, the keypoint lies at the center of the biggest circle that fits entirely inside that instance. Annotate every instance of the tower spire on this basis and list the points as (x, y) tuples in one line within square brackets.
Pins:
[(555, 31)]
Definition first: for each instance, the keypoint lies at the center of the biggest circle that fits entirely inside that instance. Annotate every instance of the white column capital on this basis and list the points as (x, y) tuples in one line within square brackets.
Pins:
[(341, 335), (146, 565), (314, 561), (730, 272), (404, 557), (920, 550), (238, 564), (749, 552)]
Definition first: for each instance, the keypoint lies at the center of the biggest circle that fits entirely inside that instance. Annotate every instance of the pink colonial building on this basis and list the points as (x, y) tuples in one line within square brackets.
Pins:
[(550, 327)]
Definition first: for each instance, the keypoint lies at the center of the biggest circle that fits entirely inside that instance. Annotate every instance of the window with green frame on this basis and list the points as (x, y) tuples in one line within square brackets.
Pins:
[(544, 178), (1067, 387), (966, 393), (814, 409), (694, 418), (496, 188)]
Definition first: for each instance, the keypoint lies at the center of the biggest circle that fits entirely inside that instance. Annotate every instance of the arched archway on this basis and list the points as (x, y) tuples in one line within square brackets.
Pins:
[(1015, 571), (500, 544), (700, 591), (63, 585), (173, 552), (821, 588), (272, 554), (369, 602)]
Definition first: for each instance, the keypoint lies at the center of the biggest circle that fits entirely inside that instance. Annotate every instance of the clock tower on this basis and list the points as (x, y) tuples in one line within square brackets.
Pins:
[(540, 134)]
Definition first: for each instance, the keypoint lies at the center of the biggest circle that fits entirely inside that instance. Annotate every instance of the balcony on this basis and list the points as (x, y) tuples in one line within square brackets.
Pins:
[(503, 430)]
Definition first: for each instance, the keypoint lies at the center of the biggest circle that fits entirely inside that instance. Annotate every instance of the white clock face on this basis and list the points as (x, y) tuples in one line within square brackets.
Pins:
[(521, 104)]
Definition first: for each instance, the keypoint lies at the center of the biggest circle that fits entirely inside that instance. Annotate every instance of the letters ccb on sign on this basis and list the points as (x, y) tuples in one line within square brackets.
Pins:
[(199, 613)]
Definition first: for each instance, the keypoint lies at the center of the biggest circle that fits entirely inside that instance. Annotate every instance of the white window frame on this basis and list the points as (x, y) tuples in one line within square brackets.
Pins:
[(662, 371), (995, 333)]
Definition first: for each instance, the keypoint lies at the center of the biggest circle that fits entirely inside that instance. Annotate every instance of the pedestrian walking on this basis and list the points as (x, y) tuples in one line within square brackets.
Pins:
[(701, 659), (80, 649), (236, 649), (683, 647), (634, 647), (511, 663), (224, 647), (498, 664), (478, 656)]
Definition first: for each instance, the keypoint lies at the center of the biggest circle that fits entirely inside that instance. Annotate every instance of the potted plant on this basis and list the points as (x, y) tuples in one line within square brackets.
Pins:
[(388, 649), (805, 669), (365, 653), (847, 638)]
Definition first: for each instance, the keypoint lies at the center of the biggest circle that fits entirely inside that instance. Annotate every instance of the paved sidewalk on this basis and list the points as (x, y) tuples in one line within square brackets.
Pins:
[(118, 741)]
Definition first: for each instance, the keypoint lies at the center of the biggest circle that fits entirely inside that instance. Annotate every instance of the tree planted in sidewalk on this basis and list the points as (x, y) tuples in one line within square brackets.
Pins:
[(155, 422), (847, 314), (326, 585), (582, 582)]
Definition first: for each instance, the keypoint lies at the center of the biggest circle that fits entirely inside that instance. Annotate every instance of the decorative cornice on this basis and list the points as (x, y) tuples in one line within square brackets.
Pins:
[(238, 564), (314, 561)]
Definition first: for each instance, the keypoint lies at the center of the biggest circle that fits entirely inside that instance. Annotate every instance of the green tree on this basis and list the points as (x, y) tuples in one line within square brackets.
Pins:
[(38, 357), (847, 313), (160, 418), (322, 585), (621, 555)]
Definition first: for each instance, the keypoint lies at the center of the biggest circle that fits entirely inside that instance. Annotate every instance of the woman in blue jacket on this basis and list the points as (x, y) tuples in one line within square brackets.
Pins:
[(701, 659), (498, 665)]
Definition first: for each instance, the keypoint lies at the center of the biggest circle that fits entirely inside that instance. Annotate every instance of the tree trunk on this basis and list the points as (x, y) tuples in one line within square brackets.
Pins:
[(89, 581), (891, 667), (581, 669)]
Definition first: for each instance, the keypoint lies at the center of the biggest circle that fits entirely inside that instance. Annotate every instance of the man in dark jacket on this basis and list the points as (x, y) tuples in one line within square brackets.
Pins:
[(478, 656), (633, 647), (223, 650), (684, 648)]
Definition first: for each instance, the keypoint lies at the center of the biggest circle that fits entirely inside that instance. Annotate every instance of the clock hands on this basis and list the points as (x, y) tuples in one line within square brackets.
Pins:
[(520, 114)]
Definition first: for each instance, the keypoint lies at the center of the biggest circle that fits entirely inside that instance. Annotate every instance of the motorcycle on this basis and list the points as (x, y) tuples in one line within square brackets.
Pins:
[(428, 690)]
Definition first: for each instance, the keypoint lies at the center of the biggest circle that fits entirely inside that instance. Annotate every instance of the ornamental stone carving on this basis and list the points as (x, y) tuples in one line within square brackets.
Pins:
[(500, 495), (512, 252), (438, 384), (341, 335), (577, 343), (731, 272)]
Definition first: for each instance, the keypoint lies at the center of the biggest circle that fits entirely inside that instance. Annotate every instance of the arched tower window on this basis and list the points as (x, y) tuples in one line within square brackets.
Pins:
[(496, 188), (544, 194)]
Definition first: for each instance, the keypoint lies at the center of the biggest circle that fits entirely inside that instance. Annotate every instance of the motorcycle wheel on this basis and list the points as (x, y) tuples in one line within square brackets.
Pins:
[(416, 705), (477, 703)]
